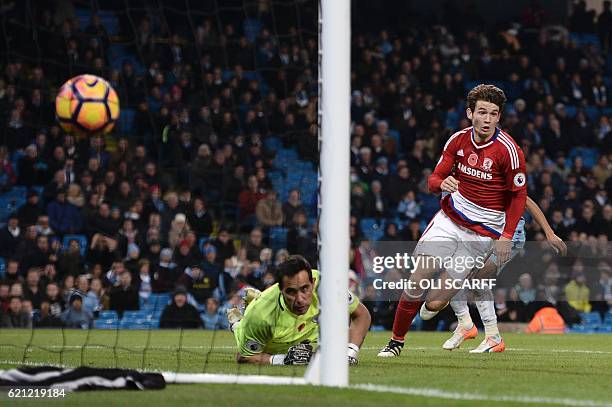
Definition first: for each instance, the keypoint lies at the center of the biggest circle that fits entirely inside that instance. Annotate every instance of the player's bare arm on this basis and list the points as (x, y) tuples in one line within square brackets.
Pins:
[(360, 321), (538, 216)]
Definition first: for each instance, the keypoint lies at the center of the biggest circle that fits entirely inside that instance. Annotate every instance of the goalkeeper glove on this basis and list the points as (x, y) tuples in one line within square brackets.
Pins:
[(352, 353), (298, 354)]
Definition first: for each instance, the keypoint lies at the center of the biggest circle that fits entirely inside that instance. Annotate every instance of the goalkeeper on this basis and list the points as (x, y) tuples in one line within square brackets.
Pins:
[(280, 325)]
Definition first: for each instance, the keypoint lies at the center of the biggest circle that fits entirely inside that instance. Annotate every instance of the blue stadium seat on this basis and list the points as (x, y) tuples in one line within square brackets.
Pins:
[(396, 136), (139, 69), (202, 242), (109, 20), (591, 320), (106, 324), (2, 267), (82, 239), (15, 160), (136, 315), (251, 28), (125, 123), (278, 238), (18, 192), (273, 143), (372, 229), (570, 110), (592, 112), (109, 314), (116, 51), (9, 206), (589, 155), (160, 300), (605, 329)]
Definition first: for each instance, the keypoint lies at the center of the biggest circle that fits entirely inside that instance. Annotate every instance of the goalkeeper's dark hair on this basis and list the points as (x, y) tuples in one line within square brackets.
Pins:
[(290, 267), (486, 93)]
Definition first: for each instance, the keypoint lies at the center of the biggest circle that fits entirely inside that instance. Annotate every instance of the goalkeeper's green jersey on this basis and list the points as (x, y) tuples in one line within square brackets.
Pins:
[(269, 326)]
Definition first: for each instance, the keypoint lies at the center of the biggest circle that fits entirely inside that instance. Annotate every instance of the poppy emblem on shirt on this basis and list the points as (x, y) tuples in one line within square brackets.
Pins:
[(487, 164), (254, 346), (473, 159)]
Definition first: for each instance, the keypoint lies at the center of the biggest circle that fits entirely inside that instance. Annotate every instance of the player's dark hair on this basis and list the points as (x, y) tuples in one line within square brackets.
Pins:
[(486, 93), (290, 267)]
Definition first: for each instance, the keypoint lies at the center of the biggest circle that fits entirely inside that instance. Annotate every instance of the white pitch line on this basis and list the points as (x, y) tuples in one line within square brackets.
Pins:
[(428, 392), (437, 393), (586, 351)]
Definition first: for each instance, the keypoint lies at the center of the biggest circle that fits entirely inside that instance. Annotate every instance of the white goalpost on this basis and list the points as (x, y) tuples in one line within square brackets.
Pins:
[(329, 366), (334, 100)]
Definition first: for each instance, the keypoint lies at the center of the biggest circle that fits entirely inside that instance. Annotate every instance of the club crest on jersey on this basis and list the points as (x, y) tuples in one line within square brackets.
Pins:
[(519, 179), (473, 159), (487, 164)]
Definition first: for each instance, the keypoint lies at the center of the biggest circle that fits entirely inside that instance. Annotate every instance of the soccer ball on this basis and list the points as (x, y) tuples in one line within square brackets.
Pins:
[(87, 105)]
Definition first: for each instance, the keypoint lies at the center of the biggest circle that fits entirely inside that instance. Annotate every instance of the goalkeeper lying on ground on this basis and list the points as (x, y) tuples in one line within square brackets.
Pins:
[(280, 325)]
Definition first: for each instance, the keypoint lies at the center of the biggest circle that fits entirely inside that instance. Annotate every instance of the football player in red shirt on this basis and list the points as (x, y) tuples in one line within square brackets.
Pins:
[(485, 201)]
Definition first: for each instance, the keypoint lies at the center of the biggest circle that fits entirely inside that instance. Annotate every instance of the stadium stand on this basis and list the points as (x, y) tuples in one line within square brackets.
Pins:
[(219, 102)]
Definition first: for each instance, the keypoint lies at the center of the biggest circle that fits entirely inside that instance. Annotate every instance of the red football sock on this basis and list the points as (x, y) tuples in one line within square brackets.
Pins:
[(404, 314)]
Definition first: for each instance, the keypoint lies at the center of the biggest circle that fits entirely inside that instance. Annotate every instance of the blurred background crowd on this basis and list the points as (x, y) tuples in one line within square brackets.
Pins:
[(209, 179)]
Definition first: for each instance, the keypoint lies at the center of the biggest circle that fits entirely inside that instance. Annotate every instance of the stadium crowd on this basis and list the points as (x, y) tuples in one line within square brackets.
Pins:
[(181, 201)]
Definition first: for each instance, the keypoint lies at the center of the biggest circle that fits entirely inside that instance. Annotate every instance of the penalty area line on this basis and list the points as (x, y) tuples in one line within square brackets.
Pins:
[(225, 347), (407, 391), (442, 394)]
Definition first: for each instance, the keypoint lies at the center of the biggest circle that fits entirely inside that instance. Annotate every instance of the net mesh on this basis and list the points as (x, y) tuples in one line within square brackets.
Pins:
[(232, 60)]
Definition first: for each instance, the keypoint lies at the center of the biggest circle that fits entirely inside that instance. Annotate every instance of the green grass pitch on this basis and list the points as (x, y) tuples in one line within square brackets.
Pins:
[(534, 370)]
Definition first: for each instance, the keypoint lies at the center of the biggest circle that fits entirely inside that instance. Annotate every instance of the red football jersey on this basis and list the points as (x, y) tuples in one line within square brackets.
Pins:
[(492, 182)]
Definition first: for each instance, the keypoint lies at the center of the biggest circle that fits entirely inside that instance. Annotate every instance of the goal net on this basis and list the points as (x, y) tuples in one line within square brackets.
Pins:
[(235, 84)]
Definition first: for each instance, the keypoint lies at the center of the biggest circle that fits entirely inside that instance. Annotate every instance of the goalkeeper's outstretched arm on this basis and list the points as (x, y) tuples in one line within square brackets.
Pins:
[(359, 325), (260, 358)]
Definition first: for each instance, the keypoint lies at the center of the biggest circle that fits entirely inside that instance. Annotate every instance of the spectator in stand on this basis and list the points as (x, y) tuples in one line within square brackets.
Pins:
[(395, 93), (7, 175), (224, 244), (29, 212), (124, 297), (76, 316), (577, 293), (71, 261), (525, 291), (144, 279), (54, 300), (44, 228), (292, 206), (255, 244), (408, 208), (269, 211), (180, 314), (16, 316), (46, 318), (199, 284), (103, 251), (248, 199), (213, 320), (5, 288), (178, 230), (32, 290), (68, 288), (10, 237), (166, 272), (97, 296), (200, 219)]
